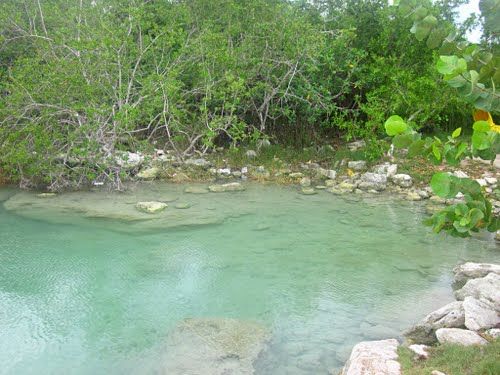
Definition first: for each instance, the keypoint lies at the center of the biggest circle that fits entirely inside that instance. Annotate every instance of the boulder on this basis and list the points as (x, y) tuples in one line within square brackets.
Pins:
[(373, 181), (402, 180), (151, 207), (451, 315), (149, 173), (374, 357), (459, 336), (357, 165), (486, 288), (465, 272), (214, 347), (479, 314), (233, 186)]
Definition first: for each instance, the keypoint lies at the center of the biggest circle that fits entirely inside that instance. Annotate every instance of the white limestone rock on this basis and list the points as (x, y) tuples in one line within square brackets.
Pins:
[(479, 314), (470, 270), (151, 207), (374, 357), (459, 336)]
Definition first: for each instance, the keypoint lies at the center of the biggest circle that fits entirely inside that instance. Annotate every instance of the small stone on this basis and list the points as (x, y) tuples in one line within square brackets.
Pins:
[(423, 194), (459, 336), (244, 170), (494, 333), (329, 183), (251, 154), (482, 182), (421, 351), (320, 187), (402, 180), (198, 162), (357, 165), (224, 171), (373, 181), (296, 175), (261, 169), (491, 180), (151, 207), (460, 174), (331, 174), (305, 182), (436, 372), (236, 174), (356, 145)]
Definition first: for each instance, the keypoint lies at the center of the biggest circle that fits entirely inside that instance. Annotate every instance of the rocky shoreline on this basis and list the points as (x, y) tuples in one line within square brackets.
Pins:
[(474, 319)]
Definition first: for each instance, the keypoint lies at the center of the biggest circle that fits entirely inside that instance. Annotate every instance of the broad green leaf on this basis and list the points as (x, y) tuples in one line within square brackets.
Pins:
[(456, 133), (475, 216), (441, 184), (451, 65), (402, 140), (436, 152), (480, 140), (481, 126), (395, 125), (416, 148)]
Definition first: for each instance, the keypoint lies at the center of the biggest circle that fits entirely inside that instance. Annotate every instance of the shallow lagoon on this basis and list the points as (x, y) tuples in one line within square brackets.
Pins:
[(90, 286)]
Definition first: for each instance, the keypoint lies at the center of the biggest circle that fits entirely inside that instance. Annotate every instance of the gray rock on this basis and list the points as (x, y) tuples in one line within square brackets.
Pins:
[(460, 174), (198, 162), (388, 169), (151, 207), (224, 171), (465, 272), (356, 145), (479, 314), (214, 347), (486, 288), (357, 165), (328, 173), (374, 357), (421, 351), (149, 173), (296, 175), (233, 186), (251, 154), (373, 181), (305, 182), (413, 196), (459, 336), (402, 180), (129, 160), (451, 315)]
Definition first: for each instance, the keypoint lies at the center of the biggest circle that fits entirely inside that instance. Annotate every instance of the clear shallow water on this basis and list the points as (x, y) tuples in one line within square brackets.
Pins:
[(81, 293)]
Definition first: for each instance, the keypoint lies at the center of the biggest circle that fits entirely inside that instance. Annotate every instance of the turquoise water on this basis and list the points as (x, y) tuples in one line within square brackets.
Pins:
[(84, 290)]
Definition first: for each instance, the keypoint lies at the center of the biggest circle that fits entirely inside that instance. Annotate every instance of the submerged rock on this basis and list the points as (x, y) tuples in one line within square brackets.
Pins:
[(308, 191), (233, 186), (46, 195), (374, 357), (451, 315), (214, 347), (151, 207), (182, 206), (305, 182), (196, 190), (459, 336)]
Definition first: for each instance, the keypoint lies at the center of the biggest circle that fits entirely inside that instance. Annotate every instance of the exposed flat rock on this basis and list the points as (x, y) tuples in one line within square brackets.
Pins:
[(374, 358), (214, 347), (450, 315), (196, 190), (232, 186), (465, 272), (479, 314), (459, 336)]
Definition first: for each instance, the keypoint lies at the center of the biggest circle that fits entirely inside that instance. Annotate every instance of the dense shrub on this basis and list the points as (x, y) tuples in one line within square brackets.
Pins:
[(82, 79)]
